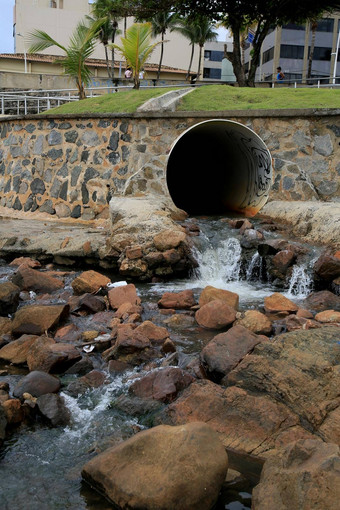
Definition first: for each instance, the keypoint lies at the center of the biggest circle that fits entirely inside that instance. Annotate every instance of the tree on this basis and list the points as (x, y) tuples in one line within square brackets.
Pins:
[(81, 47), (161, 22), (136, 48), (188, 29), (313, 27), (205, 33)]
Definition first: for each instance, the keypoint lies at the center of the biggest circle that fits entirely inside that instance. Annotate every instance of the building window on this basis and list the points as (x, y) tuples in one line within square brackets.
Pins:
[(213, 56), (325, 25), (268, 55), (321, 53), (293, 26), (53, 4), (214, 74), (291, 51), (207, 55)]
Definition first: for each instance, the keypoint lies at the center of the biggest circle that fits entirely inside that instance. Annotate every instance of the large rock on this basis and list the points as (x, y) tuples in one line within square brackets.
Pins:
[(301, 370), (245, 422), (53, 408), (169, 239), (327, 267), (278, 303), (124, 294), (132, 347), (89, 281), (16, 352), (37, 383), (322, 300), (48, 356), (215, 315), (303, 476), (163, 384), (9, 298), (36, 319), (256, 322), (162, 468), (210, 293), (226, 350), (156, 334), (31, 279), (177, 300)]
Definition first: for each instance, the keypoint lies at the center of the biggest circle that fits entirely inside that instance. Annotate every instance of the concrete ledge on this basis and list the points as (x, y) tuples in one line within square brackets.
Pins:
[(166, 102)]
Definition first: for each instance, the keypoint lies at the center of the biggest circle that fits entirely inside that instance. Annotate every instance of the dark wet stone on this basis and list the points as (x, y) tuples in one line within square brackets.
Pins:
[(84, 156), (104, 123), (63, 171), (15, 151), (90, 174), (47, 207), (71, 136), (53, 408), (76, 212), (126, 138), (335, 128), (123, 170), (7, 187), (54, 138), (30, 128), (84, 193), (141, 148), (64, 125), (17, 204), (2, 169), (55, 154), (38, 186), (29, 203), (75, 174), (55, 188), (97, 159), (16, 183), (125, 153), (288, 183), (37, 383), (63, 191), (124, 127), (114, 140), (114, 158), (26, 162)]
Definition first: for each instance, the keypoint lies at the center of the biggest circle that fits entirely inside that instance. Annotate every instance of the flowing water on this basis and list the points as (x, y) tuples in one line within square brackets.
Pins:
[(40, 466)]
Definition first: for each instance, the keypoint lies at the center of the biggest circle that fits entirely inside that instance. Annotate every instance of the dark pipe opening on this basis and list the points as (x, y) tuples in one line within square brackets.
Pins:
[(219, 166)]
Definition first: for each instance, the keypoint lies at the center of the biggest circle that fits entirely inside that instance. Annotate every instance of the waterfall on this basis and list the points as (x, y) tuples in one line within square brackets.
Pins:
[(255, 267), (222, 263), (301, 282)]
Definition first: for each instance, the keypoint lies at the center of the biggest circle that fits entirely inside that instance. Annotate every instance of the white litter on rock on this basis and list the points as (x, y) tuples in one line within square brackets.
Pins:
[(88, 348), (117, 284)]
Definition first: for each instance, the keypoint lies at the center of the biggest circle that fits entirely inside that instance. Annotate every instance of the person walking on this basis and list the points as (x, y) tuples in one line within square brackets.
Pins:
[(280, 74)]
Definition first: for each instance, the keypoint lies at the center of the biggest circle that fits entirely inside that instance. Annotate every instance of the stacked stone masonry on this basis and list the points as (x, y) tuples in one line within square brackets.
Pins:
[(72, 166)]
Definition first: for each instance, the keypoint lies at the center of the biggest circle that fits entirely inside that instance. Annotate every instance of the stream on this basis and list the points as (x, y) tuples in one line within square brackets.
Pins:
[(40, 466)]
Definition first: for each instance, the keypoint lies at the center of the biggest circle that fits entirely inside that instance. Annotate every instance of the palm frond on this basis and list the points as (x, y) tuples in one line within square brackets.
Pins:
[(40, 40)]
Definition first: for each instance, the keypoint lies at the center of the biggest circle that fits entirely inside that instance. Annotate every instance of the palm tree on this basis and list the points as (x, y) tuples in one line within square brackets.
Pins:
[(81, 47), (313, 27), (136, 48), (189, 30), (205, 33), (109, 11), (161, 22)]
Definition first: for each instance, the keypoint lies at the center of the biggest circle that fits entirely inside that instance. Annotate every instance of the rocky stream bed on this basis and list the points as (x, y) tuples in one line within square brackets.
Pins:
[(240, 356)]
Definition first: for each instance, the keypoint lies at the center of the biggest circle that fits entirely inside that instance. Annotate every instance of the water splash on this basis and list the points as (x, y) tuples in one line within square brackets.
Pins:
[(222, 263), (301, 282), (255, 267)]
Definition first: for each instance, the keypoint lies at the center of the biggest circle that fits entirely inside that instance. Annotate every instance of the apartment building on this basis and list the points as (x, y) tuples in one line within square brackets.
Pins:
[(289, 47)]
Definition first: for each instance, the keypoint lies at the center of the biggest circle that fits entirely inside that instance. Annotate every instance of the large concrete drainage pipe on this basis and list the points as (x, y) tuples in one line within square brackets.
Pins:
[(218, 166)]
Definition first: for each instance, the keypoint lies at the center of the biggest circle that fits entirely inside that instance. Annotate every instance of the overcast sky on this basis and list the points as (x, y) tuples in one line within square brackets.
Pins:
[(6, 27)]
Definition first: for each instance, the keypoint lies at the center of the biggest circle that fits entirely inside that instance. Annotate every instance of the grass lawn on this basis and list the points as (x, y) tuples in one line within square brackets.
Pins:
[(127, 101), (224, 97)]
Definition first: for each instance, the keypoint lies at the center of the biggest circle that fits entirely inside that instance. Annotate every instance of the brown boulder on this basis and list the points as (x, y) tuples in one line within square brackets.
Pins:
[(53, 408), (169, 239), (327, 267), (25, 262), (283, 260), (91, 303), (226, 350), (215, 315), (89, 281), (127, 309), (180, 321), (326, 316), (292, 323), (16, 352), (177, 300), (277, 303), (36, 319), (131, 347), (125, 294), (14, 411), (93, 379), (5, 326), (210, 293), (163, 384), (31, 279), (245, 422), (48, 356), (162, 468), (302, 476), (68, 334), (37, 383), (322, 300), (9, 298), (156, 334), (256, 322)]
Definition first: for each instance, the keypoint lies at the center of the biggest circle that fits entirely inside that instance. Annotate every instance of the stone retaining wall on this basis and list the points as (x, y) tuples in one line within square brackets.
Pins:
[(72, 166)]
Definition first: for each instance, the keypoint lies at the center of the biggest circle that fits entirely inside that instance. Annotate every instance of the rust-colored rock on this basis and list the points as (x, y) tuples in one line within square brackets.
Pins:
[(162, 468), (226, 350), (48, 356), (327, 267), (125, 294), (30, 279), (163, 385), (156, 334), (14, 411), (177, 300), (210, 293), (256, 322), (127, 309), (171, 257), (5, 326), (36, 319), (215, 315), (89, 281), (325, 316), (135, 252), (322, 300), (283, 260), (68, 334), (25, 262), (303, 475), (16, 352), (277, 303), (9, 298), (169, 239), (292, 323)]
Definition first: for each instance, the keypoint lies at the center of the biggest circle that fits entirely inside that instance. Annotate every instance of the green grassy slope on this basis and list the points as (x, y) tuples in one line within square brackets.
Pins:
[(224, 97)]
